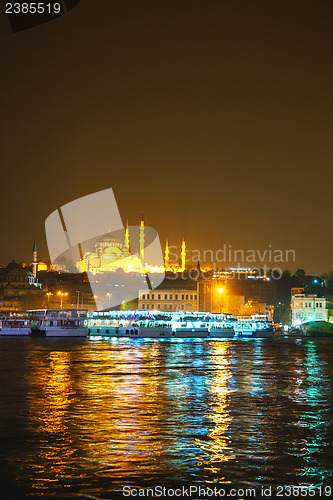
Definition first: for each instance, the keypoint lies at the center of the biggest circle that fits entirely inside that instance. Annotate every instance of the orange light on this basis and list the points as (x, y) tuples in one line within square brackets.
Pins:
[(220, 290)]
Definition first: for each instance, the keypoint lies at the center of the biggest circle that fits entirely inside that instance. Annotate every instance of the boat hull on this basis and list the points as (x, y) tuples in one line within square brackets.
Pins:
[(319, 329), (156, 333), (262, 334), (14, 332), (222, 333), (59, 332)]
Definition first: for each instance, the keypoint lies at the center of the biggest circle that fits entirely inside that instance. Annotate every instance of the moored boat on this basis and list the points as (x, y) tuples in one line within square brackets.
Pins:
[(58, 323), (220, 329), (254, 326), (158, 324), (318, 329), (15, 324)]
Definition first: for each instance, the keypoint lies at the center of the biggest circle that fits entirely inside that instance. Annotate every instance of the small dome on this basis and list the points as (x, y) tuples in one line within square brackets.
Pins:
[(12, 265), (109, 239), (19, 271)]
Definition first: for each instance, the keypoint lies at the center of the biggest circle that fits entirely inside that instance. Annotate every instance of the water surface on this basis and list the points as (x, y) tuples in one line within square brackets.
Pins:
[(83, 418)]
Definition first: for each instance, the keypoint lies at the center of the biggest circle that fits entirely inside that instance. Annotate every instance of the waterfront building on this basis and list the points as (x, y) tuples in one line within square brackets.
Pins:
[(178, 292), (19, 286), (306, 307), (216, 297), (171, 299)]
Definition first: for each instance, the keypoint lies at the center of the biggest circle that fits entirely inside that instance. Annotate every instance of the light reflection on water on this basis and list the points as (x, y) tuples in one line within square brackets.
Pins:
[(83, 418)]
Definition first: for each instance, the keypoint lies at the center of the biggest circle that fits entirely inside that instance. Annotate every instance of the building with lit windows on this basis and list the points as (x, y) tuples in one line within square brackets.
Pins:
[(308, 308), (110, 254), (172, 299)]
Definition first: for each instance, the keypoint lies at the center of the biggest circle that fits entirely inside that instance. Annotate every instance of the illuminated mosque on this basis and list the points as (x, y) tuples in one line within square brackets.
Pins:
[(111, 255)]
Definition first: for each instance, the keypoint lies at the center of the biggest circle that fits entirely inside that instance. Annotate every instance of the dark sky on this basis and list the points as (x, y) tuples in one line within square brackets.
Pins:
[(213, 117)]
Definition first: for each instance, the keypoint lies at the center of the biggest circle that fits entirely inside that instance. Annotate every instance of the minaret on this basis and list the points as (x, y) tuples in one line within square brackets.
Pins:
[(127, 241), (34, 260), (166, 256), (183, 254), (142, 242)]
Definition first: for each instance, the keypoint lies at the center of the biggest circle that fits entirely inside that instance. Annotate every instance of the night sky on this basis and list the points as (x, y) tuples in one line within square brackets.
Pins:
[(213, 117)]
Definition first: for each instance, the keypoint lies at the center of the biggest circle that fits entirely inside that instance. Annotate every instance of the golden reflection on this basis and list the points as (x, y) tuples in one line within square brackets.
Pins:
[(218, 449), (123, 425), (50, 392), (49, 398)]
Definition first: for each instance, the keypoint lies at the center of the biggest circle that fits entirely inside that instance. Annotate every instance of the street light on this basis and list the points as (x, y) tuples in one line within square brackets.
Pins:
[(48, 298), (220, 291), (61, 296), (109, 295)]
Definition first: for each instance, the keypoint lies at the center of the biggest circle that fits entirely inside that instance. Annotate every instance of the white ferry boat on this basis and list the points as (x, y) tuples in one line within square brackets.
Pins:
[(221, 329), (157, 324), (131, 324), (189, 325), (255, 326), (58, 323), (15, 324)]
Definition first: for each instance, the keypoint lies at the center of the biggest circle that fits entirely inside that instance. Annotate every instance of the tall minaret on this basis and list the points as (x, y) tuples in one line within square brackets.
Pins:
[(142, 242), (34, 260), (166, 256), (183, 254), (127, 241)]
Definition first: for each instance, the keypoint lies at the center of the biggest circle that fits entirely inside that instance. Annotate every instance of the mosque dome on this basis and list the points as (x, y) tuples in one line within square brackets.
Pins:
[(108, 241)]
